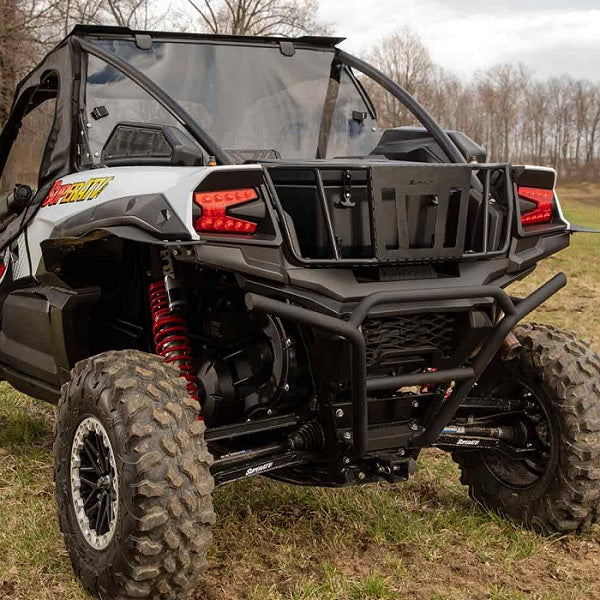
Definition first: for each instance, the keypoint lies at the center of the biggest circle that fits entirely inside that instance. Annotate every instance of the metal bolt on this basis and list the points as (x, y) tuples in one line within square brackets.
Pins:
[(415, 404), (96, 154), (189, 252), (346, 460), (361, 475), (413, 426), (88, 125), (175, 252), (286, 387), (339, 413), (347, 435), (402, 452), (269, 412)]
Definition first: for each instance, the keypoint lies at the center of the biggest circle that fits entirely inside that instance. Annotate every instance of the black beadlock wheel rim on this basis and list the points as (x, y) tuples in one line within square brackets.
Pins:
[(94, 483), (524, 473)]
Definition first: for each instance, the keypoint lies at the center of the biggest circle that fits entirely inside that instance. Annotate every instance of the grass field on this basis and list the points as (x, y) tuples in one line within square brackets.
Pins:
[(421, 540)]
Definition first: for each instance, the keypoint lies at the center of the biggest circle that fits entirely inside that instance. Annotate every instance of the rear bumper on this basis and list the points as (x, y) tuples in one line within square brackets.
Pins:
[(439, 413)]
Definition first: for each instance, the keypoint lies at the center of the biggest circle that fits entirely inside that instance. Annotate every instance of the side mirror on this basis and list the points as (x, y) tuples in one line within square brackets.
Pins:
[(14, 204), (150, 144)]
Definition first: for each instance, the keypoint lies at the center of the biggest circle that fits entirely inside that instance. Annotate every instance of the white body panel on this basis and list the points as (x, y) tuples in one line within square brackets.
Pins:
[(177, 184)]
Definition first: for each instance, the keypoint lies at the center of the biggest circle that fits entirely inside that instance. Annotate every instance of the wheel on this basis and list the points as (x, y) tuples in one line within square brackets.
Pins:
[(133, 485), (556, 488)]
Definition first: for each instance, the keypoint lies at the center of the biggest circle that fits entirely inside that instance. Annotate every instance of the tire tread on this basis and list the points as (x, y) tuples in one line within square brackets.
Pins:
[(571, 370), (165, 447)]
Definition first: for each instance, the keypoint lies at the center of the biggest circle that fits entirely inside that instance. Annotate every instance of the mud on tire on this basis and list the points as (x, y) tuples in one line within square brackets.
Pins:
[(566, 372), (163, 524)]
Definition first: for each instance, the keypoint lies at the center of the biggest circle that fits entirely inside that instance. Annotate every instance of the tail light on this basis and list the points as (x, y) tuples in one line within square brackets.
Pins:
[(217, 214), (537, 205)]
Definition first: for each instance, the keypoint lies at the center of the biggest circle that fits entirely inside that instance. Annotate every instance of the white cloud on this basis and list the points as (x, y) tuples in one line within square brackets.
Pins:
[(464, 37), (550, 37)]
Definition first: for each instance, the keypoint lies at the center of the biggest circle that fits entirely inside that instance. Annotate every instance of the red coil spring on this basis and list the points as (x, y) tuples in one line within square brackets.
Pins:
[(171, 337)]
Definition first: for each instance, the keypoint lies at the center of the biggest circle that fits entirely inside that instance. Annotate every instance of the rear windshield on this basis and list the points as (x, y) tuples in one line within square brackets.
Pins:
[(249, 98)]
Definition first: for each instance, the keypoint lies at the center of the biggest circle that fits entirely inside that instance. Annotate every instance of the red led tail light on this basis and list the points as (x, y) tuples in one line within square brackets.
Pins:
[(215, 217), (544, 209)]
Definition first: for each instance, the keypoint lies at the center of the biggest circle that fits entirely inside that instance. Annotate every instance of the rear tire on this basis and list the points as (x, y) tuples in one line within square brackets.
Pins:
[(126, 422), (564, 375)]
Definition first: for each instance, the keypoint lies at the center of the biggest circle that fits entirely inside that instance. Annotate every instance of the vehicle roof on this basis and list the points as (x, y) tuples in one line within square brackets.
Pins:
[(118, 32)]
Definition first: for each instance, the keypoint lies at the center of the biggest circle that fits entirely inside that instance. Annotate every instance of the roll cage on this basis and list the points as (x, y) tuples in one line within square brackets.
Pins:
[(68, 60), (67, 63)]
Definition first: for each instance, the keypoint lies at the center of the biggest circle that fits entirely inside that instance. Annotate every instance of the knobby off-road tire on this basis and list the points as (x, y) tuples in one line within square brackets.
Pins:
[(564, 375), (164, 515)]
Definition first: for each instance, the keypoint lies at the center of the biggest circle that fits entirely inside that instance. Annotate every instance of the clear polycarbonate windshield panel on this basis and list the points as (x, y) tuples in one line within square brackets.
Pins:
[(253, 100)]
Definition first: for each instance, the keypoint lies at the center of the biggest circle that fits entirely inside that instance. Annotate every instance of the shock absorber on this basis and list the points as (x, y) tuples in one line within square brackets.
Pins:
[(171, 336)]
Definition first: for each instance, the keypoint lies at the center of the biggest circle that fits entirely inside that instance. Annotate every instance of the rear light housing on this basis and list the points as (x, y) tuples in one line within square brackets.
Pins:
[(217, 214), (538, 206)]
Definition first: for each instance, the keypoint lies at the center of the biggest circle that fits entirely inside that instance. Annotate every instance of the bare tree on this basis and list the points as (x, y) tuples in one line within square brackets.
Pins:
[(258, 17), (500, 91), (25, 29), (517, 117), (137, 14), (404, 58)]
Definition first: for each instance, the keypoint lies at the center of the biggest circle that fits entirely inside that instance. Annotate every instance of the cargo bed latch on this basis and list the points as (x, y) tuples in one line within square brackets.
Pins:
[(346, 200)]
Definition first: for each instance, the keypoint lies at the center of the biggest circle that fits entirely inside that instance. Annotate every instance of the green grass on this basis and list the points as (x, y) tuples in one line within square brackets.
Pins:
[(422, 540)]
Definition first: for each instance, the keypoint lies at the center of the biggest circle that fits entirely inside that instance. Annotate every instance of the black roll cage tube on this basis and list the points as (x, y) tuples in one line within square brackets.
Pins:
[(211, 145), (409, 101)]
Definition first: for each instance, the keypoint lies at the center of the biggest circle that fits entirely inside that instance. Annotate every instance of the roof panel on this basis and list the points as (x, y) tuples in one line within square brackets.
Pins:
[(108, 31)]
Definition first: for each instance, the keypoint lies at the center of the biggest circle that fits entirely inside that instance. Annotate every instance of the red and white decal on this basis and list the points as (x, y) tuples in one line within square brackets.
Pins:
[(79, 191), (4, 266)]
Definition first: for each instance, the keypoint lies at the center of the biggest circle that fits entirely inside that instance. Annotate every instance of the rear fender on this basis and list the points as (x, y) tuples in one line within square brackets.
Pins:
[(43, 334)]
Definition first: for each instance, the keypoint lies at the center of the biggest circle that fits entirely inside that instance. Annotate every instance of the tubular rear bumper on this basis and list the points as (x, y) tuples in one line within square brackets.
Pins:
[(439, 413)]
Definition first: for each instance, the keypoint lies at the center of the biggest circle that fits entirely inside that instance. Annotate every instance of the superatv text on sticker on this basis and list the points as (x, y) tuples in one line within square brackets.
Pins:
[(76, 192)]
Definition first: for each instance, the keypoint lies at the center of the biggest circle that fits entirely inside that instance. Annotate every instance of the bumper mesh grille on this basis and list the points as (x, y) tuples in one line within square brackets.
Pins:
[(390, 339)]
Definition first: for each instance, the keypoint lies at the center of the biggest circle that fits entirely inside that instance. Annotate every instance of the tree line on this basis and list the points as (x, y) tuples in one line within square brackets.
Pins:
[(515, 115), (505, 108)]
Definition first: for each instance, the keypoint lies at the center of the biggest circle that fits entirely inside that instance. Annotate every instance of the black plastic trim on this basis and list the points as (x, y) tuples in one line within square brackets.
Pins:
[(150, 212)]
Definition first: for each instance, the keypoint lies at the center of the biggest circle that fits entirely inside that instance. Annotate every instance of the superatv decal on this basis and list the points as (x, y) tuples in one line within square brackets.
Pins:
[(259, 469), (62, 193)]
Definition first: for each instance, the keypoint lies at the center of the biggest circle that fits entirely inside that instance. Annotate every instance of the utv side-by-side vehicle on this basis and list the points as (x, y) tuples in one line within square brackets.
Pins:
[(220, 266)]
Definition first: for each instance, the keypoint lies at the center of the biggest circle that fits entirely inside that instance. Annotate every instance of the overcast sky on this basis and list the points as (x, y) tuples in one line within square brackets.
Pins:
[(549, 36)]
